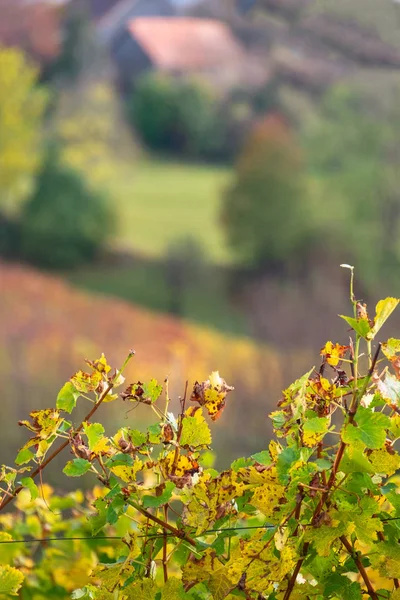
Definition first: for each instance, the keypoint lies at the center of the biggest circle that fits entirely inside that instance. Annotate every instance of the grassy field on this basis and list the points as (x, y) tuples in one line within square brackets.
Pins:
[(157, 203)]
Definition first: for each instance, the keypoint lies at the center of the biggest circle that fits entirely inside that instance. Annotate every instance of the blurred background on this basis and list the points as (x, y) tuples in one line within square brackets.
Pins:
[(184, 178)]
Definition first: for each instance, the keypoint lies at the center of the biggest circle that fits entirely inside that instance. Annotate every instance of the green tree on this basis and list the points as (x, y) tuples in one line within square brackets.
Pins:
[(354, 164), (65, 222), (265, 211), (179, 116), (22, 106)]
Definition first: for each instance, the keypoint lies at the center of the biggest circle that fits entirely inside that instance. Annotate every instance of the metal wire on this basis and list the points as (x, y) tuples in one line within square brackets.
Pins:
[(119, 538)]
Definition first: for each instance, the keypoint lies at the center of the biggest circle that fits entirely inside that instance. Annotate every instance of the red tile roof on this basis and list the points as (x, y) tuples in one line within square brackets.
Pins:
[(186, 44)]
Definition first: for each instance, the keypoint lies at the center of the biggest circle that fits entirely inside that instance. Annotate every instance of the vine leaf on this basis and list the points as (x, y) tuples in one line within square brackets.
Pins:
[(127, 472), (371, 429), (10, 580), (314, 430), (384, 309), (386, 559), (390, 389), (384, 462), (67, 397), (163, 493), (195, 431), (211, 394), (173, 590), (391, 348), (355, 461), (95, 435), (340, 586), (76, 467), (24, 456), (361, 326), (333, 353), (44, 422), (324, 536), (85, 382), (147, 393), (32, 487)]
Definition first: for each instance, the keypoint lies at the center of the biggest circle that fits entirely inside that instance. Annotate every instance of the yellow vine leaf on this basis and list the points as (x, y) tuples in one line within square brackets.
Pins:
[(384, 462), (195, 431), (314, 430), (267, 498), (333, 353), (185, 464), (128, 472), (10, 580)]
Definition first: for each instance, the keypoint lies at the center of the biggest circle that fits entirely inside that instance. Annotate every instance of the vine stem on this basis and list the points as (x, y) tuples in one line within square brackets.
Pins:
[(179, 433), (165, 542), (335, 468), (360, 567), (177, 532), (64, 445)]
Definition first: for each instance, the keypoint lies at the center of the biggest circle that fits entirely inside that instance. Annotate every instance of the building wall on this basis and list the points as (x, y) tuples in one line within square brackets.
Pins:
[(130, 59)]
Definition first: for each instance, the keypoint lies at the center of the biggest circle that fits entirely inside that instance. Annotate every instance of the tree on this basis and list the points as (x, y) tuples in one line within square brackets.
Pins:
[(177, 115), (354, 163), (265, 211), (65, 222), (22, 105)]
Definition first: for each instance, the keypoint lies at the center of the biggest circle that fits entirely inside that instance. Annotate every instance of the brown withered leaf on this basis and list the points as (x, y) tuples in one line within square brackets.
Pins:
[(167, 433), (211, 394)]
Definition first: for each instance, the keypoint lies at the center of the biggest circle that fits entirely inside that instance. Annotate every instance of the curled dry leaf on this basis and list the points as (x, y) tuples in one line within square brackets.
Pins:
[(212, 394)]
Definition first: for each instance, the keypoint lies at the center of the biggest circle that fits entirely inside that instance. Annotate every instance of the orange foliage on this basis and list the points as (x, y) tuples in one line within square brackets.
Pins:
[(47, 328)]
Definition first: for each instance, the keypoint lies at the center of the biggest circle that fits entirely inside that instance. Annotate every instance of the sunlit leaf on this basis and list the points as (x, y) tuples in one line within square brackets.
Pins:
[(360, 326), (32, 487), (384, 309), (161, 495), (95, 433), (370, 428), (10, 580), (76, 467), (195, 431), (67, 397), (314, 430)]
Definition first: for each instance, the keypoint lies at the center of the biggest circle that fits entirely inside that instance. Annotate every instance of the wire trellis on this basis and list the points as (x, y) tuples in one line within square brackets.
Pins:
[(153, 536)]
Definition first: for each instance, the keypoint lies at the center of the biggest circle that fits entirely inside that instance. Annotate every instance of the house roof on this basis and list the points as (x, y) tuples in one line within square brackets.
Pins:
[(186, 44), (109, 24)]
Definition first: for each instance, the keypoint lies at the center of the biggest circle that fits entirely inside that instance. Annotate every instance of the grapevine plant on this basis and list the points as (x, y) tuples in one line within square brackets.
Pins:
[(314, 516)]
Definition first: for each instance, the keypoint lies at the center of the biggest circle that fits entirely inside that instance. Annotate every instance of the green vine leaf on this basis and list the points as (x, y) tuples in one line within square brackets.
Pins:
[(340, 586), (32, 487), (95, 434), (24, 456), (370, 428), (77, 467), (67, 397), (360, 326), (163, 493)]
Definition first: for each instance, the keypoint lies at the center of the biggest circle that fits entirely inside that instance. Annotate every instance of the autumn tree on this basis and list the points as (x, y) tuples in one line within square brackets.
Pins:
[(22, 105), (265, 211)]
